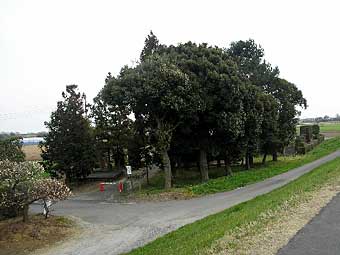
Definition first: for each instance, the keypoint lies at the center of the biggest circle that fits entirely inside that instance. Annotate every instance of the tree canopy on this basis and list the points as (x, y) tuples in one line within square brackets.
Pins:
[(207, 101)]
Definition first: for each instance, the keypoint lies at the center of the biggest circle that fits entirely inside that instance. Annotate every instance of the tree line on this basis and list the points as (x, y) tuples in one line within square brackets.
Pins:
[(326, 118), (177, 106)]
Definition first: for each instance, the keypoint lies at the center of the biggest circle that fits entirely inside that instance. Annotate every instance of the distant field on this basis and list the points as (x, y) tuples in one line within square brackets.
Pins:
[(32, 152), (330, 127)]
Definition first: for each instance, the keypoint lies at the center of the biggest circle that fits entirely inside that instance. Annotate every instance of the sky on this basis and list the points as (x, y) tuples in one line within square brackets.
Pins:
[(46, 45)]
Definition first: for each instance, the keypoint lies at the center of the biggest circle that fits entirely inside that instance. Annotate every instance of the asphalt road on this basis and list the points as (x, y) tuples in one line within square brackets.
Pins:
[(114, 228), (321, 236)]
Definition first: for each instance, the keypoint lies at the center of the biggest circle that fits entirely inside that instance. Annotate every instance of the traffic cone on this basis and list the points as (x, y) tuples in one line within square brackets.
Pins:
[(120, 187), (101, 187)]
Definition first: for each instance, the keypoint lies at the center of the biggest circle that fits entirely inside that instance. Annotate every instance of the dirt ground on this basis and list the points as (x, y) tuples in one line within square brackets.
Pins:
[(79, 188), (18, 238), (32, 152), (331, 134)]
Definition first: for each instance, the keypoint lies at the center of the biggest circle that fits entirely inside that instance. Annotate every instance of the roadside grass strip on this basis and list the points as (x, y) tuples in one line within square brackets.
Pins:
[(184, 188), (222, 231), (262, 172)]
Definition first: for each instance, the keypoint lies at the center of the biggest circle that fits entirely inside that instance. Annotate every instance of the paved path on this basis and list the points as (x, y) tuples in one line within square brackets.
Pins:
[(116, 228), (321, 236)]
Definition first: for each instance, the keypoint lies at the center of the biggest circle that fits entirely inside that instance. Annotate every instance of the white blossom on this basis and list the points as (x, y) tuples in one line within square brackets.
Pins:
[(26, 182)]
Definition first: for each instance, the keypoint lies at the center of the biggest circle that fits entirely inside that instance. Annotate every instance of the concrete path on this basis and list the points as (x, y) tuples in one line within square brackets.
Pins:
[(115, 228), (321, 236)]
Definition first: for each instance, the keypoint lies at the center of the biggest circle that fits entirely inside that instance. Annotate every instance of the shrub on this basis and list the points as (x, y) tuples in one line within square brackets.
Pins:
[(10, 149), (23, 183), (316, 131)]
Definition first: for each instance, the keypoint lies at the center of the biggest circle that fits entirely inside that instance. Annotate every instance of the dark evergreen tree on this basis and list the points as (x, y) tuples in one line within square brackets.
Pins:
[(68, 146), (250, 59), (150, 46), (113, 127)]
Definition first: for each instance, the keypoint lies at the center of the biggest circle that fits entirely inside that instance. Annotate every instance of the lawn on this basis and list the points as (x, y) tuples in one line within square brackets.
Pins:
[(187, 183), (198, 237)]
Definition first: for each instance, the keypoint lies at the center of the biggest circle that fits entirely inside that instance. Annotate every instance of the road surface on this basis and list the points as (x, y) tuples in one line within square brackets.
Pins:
[(113, 228), (321, 236)]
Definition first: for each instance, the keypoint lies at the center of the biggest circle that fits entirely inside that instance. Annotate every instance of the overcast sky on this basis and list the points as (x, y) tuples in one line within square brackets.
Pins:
[(45, 45)]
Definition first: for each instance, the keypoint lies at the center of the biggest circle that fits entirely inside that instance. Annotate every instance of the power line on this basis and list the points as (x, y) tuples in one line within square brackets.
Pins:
[(24, 114)]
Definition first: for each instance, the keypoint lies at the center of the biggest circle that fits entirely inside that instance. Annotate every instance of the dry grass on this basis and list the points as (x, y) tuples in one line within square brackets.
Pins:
[(331, 134), (32, 152), (17, 238), (275, 228)]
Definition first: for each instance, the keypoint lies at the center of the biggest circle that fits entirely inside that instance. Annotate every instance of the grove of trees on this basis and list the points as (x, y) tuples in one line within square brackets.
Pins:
[(178, 105)]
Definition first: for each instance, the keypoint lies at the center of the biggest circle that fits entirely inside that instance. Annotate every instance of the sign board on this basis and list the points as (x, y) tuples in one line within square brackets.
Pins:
[(128, 170)]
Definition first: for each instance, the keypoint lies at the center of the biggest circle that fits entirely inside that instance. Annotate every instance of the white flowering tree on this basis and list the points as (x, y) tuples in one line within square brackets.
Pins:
[(23, 183)]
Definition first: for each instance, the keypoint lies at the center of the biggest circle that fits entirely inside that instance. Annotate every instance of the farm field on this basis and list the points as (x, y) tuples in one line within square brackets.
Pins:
[(32, 152), (330, 129)]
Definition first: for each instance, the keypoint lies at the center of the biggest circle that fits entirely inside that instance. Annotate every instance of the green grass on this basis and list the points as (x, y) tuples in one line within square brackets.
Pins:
[(189, 182), (330, 127), (200, 235)]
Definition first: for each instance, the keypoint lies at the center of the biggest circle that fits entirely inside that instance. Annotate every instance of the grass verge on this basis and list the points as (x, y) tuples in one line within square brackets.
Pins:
[(18, 238), (199, 237), (188, 185)]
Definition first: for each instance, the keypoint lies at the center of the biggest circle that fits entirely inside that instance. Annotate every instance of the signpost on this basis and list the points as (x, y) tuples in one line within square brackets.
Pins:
[(128, 170)]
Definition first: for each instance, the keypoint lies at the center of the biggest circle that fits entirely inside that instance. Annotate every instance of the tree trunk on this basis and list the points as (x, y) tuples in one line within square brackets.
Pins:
[(173, 166), (118, 163), (251, 160), (227, 166), (108, 159), (100, 159), (147, 176), (167, 169), (275, 156), (264, 158), (25, 213), (179, 162), (67, 178), (247, 162), (204, 165)]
